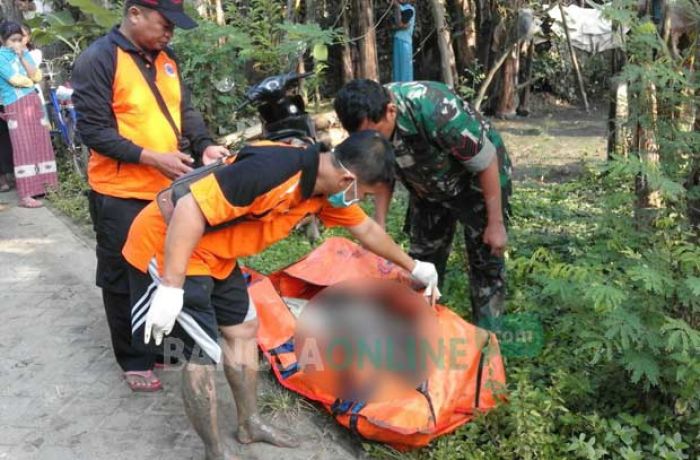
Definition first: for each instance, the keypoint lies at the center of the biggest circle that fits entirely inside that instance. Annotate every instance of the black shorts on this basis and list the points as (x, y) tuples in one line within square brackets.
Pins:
[(208, 304), (111, 219)]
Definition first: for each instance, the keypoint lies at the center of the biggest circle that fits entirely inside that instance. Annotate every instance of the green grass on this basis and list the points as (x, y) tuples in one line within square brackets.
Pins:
[(70, 197), (278, 401)]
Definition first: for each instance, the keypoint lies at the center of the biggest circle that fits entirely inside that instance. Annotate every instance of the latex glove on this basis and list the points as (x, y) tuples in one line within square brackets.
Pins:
[(426, 274), (166, 304)]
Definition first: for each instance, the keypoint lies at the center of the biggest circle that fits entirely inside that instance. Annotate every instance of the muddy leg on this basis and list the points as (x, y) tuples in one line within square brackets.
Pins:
[(240, 366), (199, 396)]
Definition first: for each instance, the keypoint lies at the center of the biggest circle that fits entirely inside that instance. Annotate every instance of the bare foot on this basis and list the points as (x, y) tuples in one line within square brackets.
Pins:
[(255, 430), (30, 202)]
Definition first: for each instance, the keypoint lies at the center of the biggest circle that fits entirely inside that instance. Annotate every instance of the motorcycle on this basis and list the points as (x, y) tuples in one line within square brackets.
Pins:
[(282, 114), (283, 117)]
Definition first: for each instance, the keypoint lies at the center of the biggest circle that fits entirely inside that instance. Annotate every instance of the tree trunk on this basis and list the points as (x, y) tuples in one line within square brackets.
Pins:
[(646, 148), (618, 111), (506, 100), (693, 182), (526, 76), (447, 54), (485, 23), (291, 11), (310, 12), (369, 67), (693, 186), (464, 36), (10, 11), (618, 117), (202, 7), (346, 53), (219, 11)]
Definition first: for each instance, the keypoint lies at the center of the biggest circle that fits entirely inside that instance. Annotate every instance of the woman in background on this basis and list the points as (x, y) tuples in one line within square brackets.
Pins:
[(34, 52), (6, 164), (404, 24), (34, 160)]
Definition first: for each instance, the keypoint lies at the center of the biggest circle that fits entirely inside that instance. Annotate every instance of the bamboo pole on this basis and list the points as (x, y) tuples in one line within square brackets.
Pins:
[(574, 61)]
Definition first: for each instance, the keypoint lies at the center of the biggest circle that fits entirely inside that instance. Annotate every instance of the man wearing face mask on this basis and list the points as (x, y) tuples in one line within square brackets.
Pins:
[(189, 281), (135, 114)]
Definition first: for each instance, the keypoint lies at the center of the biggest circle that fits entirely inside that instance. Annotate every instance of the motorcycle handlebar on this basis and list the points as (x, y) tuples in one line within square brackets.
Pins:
[(286, 82), (299, 76)]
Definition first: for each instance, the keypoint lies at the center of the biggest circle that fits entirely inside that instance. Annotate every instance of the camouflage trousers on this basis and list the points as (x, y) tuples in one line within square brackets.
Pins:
[(432, 225)]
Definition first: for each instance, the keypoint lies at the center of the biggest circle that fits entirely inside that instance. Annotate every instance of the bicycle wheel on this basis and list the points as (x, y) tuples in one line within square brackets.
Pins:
[(79, 153), (54, 124), (79, 158)]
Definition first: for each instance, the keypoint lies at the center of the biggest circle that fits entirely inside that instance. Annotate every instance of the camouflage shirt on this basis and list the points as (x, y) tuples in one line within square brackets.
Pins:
[(442, 143)]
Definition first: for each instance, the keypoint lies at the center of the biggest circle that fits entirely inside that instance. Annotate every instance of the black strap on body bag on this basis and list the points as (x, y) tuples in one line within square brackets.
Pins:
[(183, 144)]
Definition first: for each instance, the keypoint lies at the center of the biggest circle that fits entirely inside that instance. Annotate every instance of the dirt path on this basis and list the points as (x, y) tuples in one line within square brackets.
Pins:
[(554, 140)]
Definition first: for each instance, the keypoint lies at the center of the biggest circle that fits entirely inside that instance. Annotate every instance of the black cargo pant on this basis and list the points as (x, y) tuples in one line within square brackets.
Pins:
[(431, 226), (111, 218)]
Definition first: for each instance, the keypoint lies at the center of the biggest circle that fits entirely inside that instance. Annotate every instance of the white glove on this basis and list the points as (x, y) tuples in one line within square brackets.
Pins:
[(166, 304), (426, 274)]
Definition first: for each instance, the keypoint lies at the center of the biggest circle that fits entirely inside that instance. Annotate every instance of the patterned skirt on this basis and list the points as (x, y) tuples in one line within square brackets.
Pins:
[(34, 159)]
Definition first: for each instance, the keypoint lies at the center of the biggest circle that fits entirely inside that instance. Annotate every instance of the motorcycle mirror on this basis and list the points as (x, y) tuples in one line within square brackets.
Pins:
[(225, 85)]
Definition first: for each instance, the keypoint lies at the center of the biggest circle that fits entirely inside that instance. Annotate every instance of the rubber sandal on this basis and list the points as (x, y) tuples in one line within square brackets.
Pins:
[(5, 188), (142, 381), (30, 202)]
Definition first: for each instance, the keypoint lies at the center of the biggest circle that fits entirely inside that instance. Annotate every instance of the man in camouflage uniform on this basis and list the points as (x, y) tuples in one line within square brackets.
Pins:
[(455, 168)]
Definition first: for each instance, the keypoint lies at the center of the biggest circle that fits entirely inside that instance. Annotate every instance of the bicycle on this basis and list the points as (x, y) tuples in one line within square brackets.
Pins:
[(63, 119)]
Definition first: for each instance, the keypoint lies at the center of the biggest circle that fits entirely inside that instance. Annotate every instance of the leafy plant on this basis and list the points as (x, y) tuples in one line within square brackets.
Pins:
[(75, 27), (255, 44), (208, 54)]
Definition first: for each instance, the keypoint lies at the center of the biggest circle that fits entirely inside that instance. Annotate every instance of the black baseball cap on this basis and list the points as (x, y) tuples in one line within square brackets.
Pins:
[(172, 10)]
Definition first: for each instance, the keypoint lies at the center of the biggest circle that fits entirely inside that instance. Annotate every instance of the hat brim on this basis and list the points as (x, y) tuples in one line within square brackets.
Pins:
[(180, 19)]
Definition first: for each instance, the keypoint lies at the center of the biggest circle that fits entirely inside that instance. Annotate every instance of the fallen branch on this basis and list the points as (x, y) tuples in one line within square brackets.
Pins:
[(322, 121), (247, 134), (492, 73)]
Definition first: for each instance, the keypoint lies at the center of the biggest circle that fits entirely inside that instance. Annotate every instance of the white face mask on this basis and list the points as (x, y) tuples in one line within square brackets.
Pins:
[(341, 199)]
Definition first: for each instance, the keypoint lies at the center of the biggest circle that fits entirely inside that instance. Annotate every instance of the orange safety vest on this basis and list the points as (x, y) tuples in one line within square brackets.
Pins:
[(140, 120), (451, 395)]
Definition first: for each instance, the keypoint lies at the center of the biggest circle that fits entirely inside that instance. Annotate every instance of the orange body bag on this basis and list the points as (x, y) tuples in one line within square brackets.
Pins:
[(469, 378)]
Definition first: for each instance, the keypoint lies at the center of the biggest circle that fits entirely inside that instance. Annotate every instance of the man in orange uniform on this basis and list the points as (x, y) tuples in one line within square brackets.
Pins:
[(189, 281), (135, 115)]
